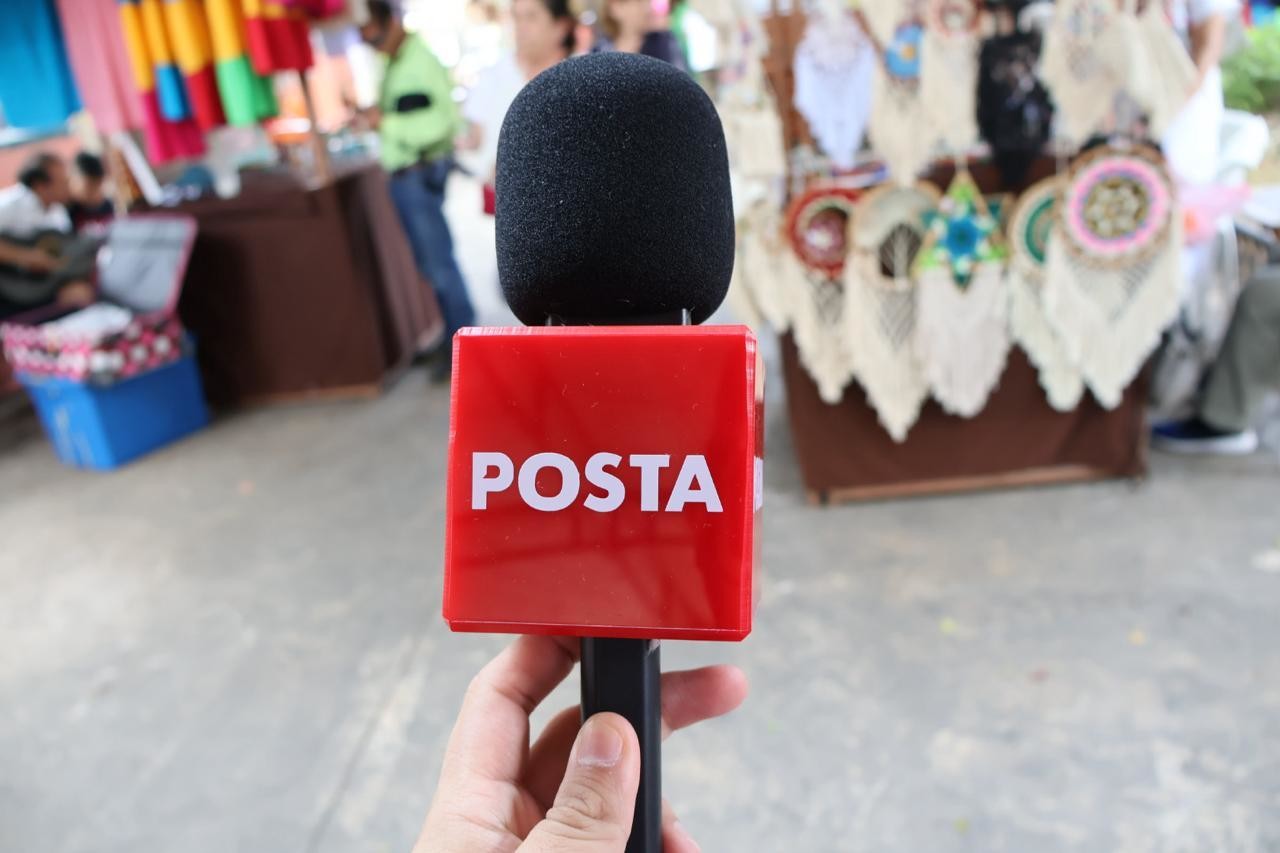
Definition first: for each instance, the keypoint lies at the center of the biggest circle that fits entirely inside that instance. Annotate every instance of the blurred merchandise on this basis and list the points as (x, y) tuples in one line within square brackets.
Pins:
[(42, 94), (102, 428), (139, 276), (116, 379)]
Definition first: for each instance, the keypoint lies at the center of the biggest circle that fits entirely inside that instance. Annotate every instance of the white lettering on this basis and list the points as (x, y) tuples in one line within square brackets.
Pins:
[(569, 482), (694, 470), (492, 473), (649, 464), (615, 492), (483, 485)]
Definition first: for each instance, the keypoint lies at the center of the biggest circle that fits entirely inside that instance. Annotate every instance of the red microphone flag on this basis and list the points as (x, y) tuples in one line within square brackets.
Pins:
[(604, 481)]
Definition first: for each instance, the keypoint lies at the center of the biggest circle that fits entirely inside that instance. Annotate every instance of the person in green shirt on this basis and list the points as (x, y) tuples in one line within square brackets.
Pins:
[(417, 121)]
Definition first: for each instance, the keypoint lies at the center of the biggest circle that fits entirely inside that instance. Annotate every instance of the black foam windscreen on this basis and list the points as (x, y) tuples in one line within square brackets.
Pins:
[(613, 198)]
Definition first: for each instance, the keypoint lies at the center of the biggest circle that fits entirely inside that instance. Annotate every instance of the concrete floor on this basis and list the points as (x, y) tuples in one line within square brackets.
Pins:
[(235, 645)]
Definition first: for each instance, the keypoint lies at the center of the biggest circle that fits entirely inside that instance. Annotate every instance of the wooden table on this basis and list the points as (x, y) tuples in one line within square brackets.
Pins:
[(299, 292)]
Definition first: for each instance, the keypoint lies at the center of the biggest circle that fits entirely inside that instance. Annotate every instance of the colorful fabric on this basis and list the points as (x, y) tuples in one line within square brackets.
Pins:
[(962, 232), (100, 63), (188, 33), (278, 36), (37, 89), (1117, 208), (157, 81), (818, 228), (247, 97), (170, 91)]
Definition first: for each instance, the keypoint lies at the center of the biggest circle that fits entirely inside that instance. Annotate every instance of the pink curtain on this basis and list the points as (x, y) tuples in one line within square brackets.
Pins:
[(95, 46)]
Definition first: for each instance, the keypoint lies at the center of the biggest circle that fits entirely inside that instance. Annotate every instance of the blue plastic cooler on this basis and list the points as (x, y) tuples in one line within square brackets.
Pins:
[(105, 427)]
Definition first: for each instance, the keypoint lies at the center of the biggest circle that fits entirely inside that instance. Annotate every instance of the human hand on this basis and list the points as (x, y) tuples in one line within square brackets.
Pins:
[(574, 790), (38, 260), (76, 294)]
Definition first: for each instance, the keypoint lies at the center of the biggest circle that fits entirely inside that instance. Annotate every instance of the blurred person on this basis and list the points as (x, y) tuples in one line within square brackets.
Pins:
[(544, 35), (1246, 371), (89, 203), (630, 26), (1192, 141), (40, 263), (417, 120), (574, 788)]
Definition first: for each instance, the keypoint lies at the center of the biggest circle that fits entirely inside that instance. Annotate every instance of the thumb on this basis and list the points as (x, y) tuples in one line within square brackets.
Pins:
[(597, 799)]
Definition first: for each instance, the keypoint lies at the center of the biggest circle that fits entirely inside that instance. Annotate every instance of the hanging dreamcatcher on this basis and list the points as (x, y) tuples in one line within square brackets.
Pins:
[(887, 233), (1030, 227), (1113, 269), (1162, 73), (1015, 112), (898, 119), (949, 71), (1085, 64), (817, 228), (834, 67), (962, 333)]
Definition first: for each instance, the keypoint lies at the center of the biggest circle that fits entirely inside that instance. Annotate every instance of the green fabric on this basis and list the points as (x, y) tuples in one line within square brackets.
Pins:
[(425, 133), (1248, 367), (247, 97)]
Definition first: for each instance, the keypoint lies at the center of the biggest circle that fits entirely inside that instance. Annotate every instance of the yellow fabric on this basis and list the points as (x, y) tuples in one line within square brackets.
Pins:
[(135, 40), (189, 34), (226, 28), (157, 37)]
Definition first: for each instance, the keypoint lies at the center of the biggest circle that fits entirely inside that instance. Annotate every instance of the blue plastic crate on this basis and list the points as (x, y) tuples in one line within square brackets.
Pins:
[(105, 427)]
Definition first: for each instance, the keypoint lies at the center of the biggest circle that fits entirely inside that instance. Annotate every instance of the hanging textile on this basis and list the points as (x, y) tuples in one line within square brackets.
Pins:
[(170, 89), (949, 72), (792, 297), (898, 118), (278, 36), (247, 97), (1085, 64), (879, 317), (95, 46), (1030, 227), (1113, 267), (36, 88), (188, 34), (1165, 75), (835, 65), (961, 334), (817, 229), (1015, 112), (165, 139)]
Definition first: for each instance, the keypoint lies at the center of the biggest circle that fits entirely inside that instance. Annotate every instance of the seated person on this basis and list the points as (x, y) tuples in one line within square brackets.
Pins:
[(90, 203), (1247, 369), (40, 262)]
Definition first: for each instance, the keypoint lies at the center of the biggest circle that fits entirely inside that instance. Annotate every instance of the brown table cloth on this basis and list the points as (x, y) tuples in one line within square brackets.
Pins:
[(1017, 439), (295, 292)]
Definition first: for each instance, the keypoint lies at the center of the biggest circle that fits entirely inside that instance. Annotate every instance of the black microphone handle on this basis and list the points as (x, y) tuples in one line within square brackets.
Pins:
[(625, 677)]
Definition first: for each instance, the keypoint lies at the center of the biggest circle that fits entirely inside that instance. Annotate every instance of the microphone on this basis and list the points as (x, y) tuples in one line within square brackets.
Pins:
[(605, 463)]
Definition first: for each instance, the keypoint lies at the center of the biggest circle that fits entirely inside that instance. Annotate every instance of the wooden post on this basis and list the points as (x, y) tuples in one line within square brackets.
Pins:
[(319, 147)]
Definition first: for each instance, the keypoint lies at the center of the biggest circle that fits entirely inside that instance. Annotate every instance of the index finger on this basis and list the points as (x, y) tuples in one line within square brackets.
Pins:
[(491, 736)]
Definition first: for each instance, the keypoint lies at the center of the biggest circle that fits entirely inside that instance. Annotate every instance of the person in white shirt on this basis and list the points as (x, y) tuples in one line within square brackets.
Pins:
[(1192, 141), (36, 204), (544, 31), (30, 211)]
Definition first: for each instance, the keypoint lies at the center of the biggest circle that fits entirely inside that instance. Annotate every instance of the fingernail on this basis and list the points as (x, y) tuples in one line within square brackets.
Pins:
[(685, 839), (599, 745)]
